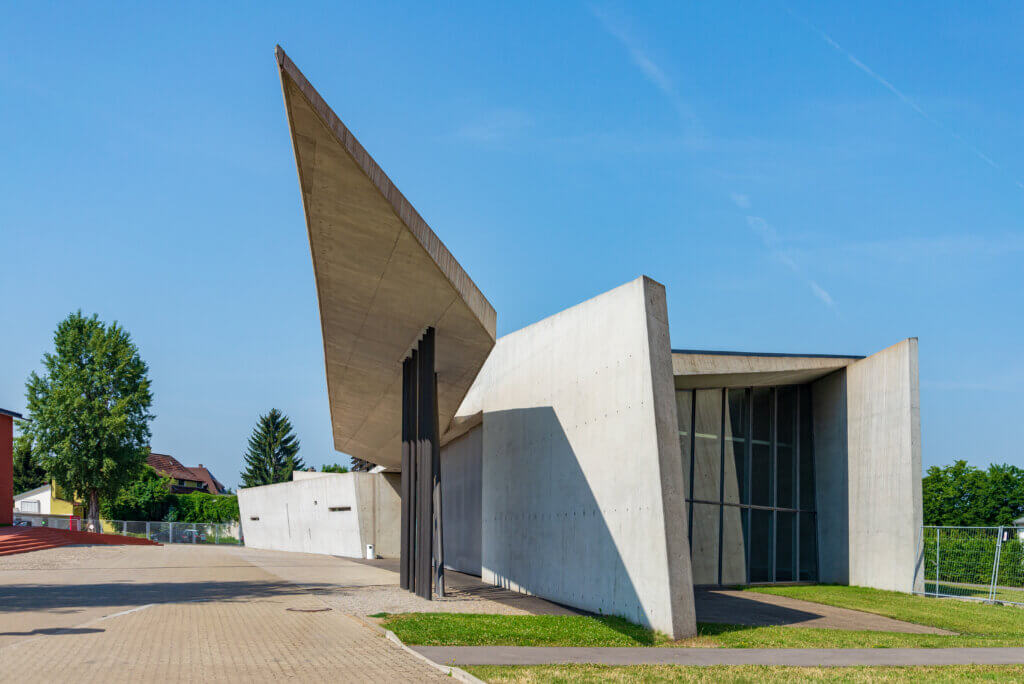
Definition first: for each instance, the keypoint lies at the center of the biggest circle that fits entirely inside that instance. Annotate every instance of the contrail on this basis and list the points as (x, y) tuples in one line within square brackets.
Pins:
[(907, 100)]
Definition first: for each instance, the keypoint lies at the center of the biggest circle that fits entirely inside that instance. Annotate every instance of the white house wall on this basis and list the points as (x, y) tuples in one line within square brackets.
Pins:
[(582, 492)]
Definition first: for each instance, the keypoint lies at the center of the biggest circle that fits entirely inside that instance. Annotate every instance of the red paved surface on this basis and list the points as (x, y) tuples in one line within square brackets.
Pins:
[(24, 539)]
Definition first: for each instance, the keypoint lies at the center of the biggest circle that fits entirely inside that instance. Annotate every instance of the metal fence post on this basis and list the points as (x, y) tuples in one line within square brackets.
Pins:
[(124, 528), (170, 535), (937, 530), (216, 534), (148, 536), (195, 533), (995, 565)]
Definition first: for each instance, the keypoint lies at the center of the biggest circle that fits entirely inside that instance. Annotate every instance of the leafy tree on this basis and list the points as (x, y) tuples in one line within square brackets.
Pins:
[(333, 468), (200, 507), (88, 413), (273, 451), (29, 473), (962, 495), (146, 498)]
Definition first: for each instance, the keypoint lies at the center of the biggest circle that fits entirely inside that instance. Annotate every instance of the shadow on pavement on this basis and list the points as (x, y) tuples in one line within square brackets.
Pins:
[(15, 598)]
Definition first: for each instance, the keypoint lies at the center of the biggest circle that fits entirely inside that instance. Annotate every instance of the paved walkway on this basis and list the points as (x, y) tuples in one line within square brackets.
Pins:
[(799, 657), (725, 606), (186, 613)]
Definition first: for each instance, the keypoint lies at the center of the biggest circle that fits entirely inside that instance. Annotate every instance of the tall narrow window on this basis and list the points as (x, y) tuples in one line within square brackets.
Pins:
[(748, 467)]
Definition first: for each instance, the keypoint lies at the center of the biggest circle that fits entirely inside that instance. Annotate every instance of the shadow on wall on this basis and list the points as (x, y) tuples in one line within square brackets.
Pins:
[(546, 530)]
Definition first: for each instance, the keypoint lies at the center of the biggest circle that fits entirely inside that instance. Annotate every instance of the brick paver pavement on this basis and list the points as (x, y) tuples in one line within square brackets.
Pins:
[(183, 614)]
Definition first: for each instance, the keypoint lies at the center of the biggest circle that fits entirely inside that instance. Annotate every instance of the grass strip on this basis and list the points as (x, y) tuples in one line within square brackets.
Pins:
[(964, 617), (742, 673)]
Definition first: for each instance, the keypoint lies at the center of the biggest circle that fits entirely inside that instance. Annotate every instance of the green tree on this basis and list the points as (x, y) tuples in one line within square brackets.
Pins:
[(88, 413), (273, 451), (962, 495), (146, 498), (29, 473), (333, 468)]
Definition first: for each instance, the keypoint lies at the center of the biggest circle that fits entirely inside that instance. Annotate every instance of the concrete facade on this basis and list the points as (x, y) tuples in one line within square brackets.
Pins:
[(581, 474), (461, 485), (332, 513), (867, 431)]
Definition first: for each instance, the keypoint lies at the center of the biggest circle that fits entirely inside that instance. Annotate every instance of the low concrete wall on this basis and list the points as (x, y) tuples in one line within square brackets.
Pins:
[(582, 490), (335, 514), (867, 441), (461, 472)]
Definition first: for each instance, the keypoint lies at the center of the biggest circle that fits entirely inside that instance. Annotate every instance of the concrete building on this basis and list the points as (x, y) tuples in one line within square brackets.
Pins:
[(581, 458)]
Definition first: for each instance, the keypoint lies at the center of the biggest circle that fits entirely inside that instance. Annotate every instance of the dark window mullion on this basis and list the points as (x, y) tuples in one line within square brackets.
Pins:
[(721, 478), (774, 469), (748, 456)]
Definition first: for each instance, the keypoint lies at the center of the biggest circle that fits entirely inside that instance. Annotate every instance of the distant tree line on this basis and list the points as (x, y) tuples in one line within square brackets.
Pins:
[(963, 495)]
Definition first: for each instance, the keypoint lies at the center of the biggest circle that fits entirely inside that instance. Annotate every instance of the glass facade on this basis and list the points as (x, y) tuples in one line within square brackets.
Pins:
[(748, 471)]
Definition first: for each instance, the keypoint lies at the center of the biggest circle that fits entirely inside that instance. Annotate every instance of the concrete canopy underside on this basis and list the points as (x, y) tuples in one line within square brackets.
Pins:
[(382, 278), (704, 370)]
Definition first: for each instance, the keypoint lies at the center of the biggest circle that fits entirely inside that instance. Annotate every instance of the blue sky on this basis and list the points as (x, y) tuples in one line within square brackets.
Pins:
[(802, 178)]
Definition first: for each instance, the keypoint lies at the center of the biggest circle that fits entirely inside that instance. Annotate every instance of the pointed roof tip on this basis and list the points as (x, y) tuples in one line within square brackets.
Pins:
[(279, 53)]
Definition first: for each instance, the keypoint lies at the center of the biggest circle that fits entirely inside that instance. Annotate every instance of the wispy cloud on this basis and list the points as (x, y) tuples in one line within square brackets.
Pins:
[(641, 58), (495, 126), (929, 249), (769, 237), (740, 200), (903, 97)]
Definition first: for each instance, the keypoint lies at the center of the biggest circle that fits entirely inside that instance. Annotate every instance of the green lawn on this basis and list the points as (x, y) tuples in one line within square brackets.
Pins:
[(976, 624), (745, 673), (964, 617)]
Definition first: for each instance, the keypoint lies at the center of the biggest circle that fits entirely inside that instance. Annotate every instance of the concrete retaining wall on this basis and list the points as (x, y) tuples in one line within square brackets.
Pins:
[(335, 514), (581, 480)]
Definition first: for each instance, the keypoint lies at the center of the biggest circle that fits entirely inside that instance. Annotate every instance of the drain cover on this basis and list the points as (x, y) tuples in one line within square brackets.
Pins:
[(308, 610)]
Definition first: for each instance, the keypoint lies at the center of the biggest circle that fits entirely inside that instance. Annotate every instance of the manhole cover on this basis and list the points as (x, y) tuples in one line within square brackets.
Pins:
[(308, 610)]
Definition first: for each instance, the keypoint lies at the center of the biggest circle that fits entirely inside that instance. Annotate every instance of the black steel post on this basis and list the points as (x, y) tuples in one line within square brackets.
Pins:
[(426, 437), (405, 576), (438, 518)]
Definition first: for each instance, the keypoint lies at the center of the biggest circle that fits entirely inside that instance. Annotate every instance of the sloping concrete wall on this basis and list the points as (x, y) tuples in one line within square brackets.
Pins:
[(582, 491), (884, 418), (461, 472), (867, 442), (297, 515)]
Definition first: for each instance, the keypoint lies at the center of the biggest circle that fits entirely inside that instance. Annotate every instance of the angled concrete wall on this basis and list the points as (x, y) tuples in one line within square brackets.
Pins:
[(461, 472), (297, 516), (884, 417), (581, 489), (867, 432)]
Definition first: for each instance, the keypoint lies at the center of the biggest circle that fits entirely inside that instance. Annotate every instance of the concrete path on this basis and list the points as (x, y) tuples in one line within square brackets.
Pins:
[(187, 613), (799, 657), (730, 607)]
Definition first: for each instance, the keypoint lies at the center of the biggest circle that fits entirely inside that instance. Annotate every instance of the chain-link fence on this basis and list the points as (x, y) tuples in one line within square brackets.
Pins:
[(163, 532), (978, 563)]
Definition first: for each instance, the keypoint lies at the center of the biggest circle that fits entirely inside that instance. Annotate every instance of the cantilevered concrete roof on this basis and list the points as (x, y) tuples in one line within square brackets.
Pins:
[(710, 369), (382, 278)]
